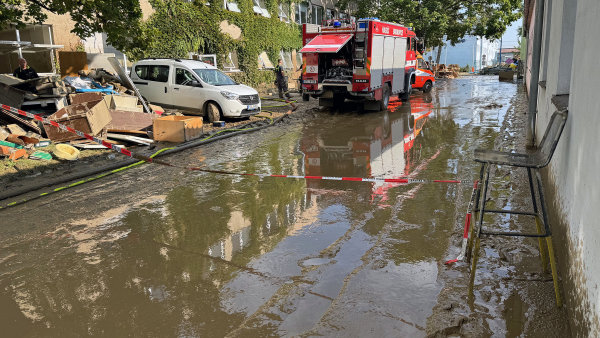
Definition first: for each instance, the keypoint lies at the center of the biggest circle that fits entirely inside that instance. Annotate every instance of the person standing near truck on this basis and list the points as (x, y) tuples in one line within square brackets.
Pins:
[(281, 79)]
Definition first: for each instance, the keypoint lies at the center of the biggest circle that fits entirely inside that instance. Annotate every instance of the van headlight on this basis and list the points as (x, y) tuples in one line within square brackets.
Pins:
[(230, 95)]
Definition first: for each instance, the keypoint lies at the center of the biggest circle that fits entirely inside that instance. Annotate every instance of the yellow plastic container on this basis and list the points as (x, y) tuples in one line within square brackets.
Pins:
[(66, 152)]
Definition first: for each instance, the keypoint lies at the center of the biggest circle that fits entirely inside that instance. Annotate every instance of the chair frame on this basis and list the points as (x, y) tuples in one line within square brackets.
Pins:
[(532, 163)]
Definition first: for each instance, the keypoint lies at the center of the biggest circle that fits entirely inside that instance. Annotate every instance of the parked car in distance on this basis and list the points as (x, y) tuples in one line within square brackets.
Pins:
[(194, 87), (424, 78)]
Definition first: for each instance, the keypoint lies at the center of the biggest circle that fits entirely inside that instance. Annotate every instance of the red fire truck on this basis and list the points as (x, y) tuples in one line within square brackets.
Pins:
[(369, 60)]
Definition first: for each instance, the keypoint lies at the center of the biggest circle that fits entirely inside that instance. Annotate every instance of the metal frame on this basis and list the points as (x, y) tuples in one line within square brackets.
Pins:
[(532, 163)]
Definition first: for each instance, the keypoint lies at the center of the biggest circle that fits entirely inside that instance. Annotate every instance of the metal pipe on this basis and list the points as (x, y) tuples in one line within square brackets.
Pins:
[(481, 54), (19, 42), (535, 72)]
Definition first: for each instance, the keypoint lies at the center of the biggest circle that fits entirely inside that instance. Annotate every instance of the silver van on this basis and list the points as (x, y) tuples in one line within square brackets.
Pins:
[(194, 87)]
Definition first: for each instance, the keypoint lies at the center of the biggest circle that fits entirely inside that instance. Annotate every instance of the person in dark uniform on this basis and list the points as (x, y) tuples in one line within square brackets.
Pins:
[(24, 72), (282, 84)]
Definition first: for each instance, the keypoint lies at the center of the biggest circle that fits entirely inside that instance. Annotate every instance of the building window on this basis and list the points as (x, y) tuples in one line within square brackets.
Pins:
[(231, 62), (232, 6), (260, 8), (286, 57), (301, 13), (317, 14), (330, 14), (284, 9)]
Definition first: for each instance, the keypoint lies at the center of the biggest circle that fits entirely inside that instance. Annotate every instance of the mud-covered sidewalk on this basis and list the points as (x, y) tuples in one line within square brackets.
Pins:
[(511, 295)]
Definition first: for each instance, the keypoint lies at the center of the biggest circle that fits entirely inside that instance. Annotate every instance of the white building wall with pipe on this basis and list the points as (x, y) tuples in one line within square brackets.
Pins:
[(469, 52), (569, 70)]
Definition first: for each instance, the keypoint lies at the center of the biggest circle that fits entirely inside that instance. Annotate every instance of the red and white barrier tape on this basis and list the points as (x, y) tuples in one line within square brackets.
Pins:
[(128, 153), (463, 251)]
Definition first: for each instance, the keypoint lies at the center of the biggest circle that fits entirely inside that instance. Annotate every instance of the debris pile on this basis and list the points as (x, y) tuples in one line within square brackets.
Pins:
[(447, 72), (96, 102)]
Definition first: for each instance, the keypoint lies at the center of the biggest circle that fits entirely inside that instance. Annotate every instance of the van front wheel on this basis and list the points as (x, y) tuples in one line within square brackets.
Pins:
[(213, 112)]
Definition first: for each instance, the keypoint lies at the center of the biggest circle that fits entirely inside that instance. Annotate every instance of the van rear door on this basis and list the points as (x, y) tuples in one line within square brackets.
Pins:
[(152, 82)]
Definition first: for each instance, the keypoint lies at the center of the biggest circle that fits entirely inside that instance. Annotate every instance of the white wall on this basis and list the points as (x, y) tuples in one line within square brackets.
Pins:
[(467, 52), (576, 163)]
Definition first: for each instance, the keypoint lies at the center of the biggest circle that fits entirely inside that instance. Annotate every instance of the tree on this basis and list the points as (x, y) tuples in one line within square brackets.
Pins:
[(120, 20), (434, 20)]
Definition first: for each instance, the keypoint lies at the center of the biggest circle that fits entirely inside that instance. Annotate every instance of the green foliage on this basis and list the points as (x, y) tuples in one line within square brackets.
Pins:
[(178, 27), (174, 29), (435, 19)]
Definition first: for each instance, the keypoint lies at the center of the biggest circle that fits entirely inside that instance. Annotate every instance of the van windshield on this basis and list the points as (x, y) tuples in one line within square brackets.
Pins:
[(214, 77)]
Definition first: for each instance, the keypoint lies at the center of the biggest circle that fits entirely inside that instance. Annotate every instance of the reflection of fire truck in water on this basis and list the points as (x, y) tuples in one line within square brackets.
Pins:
[(384, 148), (369, 60)]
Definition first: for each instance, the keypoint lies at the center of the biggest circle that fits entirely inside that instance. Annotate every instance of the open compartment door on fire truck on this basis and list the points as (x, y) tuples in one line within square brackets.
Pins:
[(329, 43)]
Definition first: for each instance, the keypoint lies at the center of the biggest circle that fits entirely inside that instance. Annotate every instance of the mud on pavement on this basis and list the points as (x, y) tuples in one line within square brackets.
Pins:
[(160, 251), (511, 295)]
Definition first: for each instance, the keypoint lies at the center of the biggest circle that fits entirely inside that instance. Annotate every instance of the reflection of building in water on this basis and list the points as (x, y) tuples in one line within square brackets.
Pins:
[(239, 237), (292, 216), (383, 148)]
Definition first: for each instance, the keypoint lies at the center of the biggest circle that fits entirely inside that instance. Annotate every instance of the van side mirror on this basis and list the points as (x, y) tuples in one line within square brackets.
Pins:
[(195, 83)]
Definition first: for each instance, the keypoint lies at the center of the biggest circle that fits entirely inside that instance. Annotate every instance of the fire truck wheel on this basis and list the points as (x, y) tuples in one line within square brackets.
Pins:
[(406, 95), (427, 86), (305, 97), (385, 97)]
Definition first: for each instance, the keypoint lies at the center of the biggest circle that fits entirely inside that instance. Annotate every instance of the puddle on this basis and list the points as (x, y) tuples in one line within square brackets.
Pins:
[(316, 261)]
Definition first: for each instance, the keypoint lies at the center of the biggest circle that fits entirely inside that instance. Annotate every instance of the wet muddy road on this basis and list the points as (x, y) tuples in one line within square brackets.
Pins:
[(158, 251)]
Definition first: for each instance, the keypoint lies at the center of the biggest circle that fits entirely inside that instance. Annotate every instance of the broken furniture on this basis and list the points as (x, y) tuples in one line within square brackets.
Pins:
[(43, 93), (532, 163), (89, 117)]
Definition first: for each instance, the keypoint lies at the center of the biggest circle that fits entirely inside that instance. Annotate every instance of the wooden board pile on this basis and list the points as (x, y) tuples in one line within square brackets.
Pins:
[(447, 72)]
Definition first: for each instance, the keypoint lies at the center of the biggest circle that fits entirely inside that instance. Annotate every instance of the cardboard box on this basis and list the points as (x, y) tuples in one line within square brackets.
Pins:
[(177, 128), (88, 117)]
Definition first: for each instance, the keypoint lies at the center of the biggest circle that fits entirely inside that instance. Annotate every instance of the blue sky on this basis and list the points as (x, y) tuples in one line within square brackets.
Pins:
[(511, 36)]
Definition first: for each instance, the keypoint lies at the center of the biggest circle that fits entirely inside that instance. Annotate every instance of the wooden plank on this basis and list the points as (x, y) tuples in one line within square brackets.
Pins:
[(72, 62), (9, 79), (126, 131), (25, 123), (131, 120), (84, 97)]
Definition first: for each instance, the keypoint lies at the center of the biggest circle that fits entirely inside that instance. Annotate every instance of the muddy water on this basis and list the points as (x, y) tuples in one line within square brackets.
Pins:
[(161, 252)]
